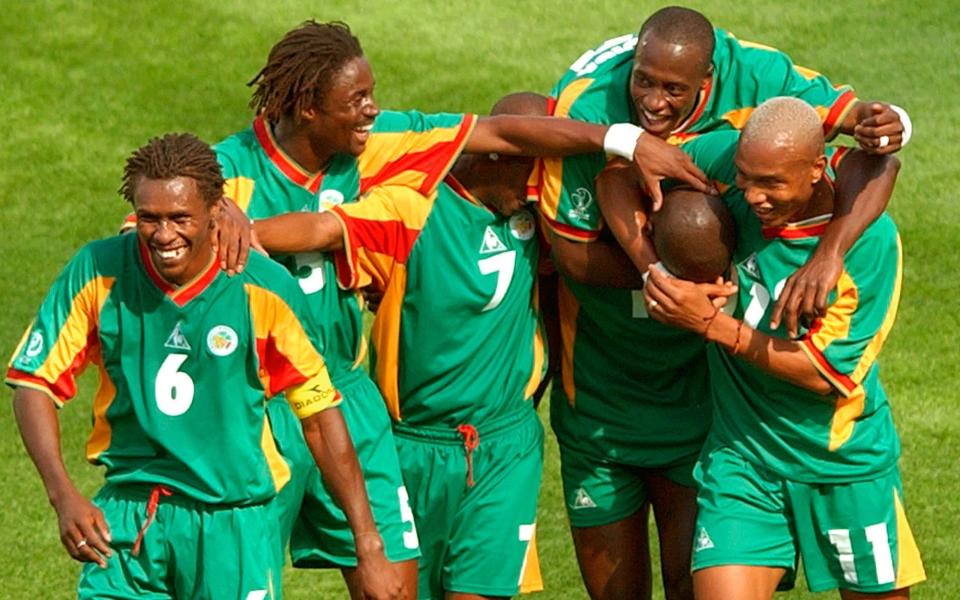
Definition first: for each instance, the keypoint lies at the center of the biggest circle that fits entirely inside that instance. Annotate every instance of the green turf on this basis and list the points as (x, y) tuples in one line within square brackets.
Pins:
[(84, 83)]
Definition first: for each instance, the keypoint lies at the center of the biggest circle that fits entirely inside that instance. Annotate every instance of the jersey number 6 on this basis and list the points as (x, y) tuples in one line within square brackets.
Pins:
[(173, 388)]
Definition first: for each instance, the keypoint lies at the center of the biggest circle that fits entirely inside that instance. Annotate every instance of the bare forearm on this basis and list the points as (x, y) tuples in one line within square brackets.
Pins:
[(781, 358), (619, 197), (329, 442), (299, 232), (864, 185), (535, 136), (599, 263), (37, 420)]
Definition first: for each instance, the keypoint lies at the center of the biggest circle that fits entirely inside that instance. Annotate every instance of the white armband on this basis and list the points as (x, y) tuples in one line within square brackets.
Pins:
[(905, 121), (621, 139)]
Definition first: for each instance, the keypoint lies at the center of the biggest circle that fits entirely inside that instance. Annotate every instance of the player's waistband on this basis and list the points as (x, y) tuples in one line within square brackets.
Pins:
[(454, 436), (146, 492)]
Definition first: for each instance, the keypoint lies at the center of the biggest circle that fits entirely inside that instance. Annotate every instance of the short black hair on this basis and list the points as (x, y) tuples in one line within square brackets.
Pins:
[(683, 26), (175, 155), (300, 68), (694, 235)]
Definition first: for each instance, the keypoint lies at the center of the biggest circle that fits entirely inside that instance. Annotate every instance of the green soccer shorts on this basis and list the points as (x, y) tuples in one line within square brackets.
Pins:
[(852, 536), (475, 539), (190, 550), (321, 536)]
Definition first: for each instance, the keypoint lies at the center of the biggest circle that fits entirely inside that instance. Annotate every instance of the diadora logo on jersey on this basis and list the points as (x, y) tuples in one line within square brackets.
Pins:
[(750, 265), (522, 226), (35, 346), (176, 340), (329, 199), (491, 243), (582, 200), (222, 340), (583, 500), (703, 541)]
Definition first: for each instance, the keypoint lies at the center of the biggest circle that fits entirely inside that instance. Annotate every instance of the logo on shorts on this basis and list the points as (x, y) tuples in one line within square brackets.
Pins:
[(491, 243), (583, 500), (222, 340), (582, 199), (521, 226), (176, 340), (703, 541), (329, 199), (35, 346)]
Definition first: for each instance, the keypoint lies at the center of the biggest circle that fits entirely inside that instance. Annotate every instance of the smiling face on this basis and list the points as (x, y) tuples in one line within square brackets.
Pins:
[(175, 223), (343, 120), (777, 176), (664, 82)]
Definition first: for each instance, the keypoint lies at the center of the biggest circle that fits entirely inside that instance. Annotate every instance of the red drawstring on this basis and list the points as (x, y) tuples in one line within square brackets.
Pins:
[(151, 513), (471, 439)]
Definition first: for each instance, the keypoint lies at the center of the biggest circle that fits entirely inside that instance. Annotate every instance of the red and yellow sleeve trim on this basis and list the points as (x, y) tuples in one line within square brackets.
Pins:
[(183, 294), (391, 158), (129, 222), (835, 325), (287, 357), (279, 158), (837, 113)]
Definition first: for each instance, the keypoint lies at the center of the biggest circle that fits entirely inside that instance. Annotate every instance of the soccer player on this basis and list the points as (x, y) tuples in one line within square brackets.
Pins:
[(632, 411), (457, 356), (186, 357), (318, 141), (802, 455)]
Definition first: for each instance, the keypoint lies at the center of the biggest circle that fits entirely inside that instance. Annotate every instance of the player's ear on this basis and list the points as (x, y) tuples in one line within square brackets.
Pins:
[(819, 166), (707, 77), (215, 212)]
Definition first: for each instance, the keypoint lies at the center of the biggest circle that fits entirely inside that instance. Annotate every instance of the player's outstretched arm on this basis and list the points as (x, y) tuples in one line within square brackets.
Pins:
[(620, 198), (878, 127), (553, 136), (299, 232), (688, 306), (83, 530), (329, 442), (863, 189)]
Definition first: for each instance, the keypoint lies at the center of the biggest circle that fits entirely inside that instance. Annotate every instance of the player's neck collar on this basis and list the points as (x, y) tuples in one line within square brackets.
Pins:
[(703, 97), (281, 160), (182, 294)]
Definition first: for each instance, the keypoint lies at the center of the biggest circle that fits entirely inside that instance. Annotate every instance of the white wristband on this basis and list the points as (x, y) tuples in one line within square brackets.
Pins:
[(621, 139), (905, 121)]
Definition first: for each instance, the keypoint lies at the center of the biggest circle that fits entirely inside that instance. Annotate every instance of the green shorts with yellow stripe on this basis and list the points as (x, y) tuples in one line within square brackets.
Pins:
[(474, 497), (187, 549), (851, 536), (319, 534)]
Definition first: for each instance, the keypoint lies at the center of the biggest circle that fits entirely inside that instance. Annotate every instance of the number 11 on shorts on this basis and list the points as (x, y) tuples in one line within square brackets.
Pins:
[(880, 546)]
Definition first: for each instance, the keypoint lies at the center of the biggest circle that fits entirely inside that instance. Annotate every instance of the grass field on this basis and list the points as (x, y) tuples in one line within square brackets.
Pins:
[(84, 83)]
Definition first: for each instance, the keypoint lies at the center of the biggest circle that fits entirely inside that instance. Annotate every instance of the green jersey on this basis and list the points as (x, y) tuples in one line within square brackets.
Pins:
[(631, 380), (799, 434), (183, 371), (404, 148), (456, 337)]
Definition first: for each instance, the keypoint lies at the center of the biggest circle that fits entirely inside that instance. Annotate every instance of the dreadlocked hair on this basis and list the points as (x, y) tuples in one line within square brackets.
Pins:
[(175, 155), (300, 68)]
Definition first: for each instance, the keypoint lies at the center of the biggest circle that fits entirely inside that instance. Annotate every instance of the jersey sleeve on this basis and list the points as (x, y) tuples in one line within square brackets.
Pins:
[(844, 343), (567, 185), (235, 186), (413, 149), (766, 72), (379, 232), (289, 361), (62, 340), (713, 153)]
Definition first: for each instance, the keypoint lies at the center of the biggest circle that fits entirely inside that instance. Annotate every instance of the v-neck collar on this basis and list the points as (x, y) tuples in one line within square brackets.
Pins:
[(282, 161), (180, 295)]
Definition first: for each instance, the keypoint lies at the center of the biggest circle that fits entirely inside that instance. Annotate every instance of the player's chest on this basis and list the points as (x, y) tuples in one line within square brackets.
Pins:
[(275, 193)]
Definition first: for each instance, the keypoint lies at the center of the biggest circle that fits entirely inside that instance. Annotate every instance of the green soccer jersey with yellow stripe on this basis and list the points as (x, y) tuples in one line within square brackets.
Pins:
[(184, 371), (638, 387), (405, 148), (456, 337), (799, 434)]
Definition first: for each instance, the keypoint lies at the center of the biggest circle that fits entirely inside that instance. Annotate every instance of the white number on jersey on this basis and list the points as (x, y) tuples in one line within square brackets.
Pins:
[(880, 545), (591, 59), (639, 305), (410, 539), (314, 261), (502, 265), (759, 302), (173, 388)]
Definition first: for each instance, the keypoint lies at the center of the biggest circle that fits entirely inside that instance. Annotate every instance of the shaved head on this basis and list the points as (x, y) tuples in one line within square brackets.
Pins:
[(788, 124), (682, 27), (521, 103), (694, 235)]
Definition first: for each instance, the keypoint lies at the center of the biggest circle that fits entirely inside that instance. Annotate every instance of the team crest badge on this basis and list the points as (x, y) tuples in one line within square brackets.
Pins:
[(329, 199), (582, 200), (35, 345), (522, 226), (222, 340)]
